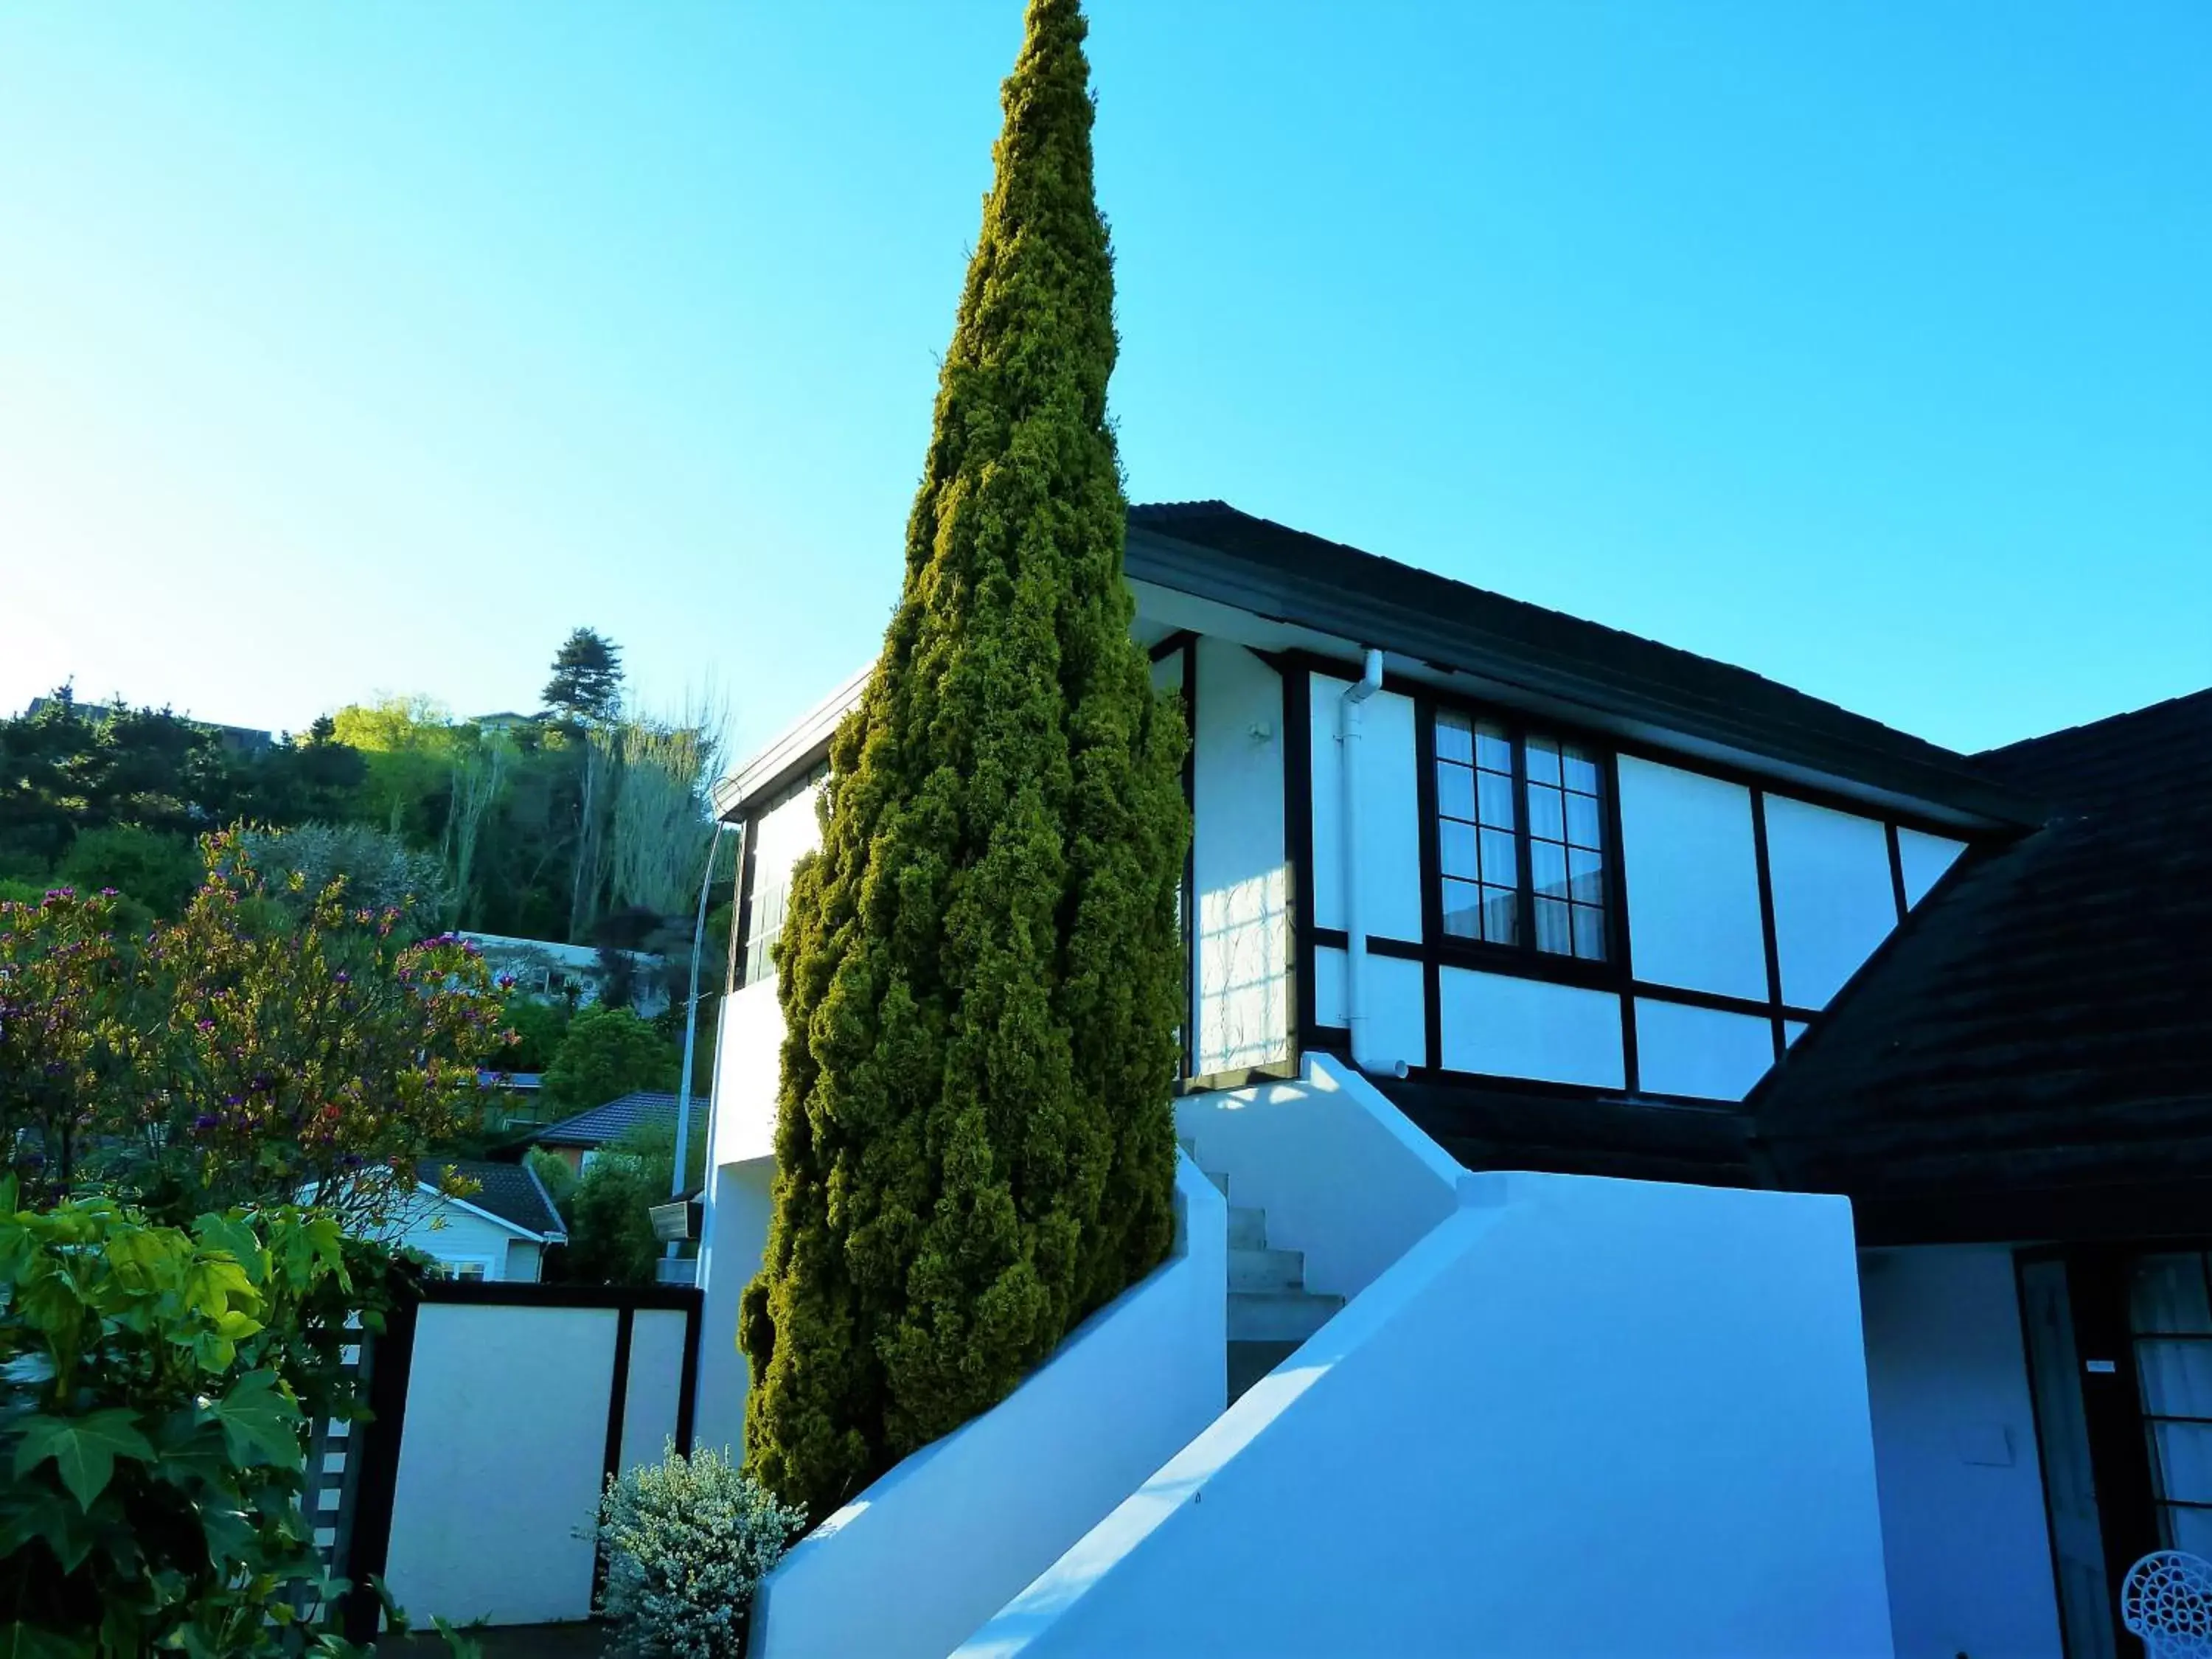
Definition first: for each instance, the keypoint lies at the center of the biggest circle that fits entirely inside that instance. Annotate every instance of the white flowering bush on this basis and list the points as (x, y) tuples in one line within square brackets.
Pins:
[(688, 1539)]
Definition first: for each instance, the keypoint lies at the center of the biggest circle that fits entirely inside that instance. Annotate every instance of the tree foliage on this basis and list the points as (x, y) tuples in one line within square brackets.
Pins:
[(587, 678), (981, 969), (250, 1052), (605, 1053)]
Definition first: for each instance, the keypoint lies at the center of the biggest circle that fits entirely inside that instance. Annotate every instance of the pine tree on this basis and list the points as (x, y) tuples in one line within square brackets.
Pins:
[(982, 970), (587, 678)]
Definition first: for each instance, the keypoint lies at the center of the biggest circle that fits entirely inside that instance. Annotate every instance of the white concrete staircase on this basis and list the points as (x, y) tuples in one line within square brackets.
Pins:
[(1271, 1312)]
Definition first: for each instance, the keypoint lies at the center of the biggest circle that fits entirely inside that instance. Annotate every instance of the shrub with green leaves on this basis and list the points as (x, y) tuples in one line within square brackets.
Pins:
[(159, 1382), (688, 1541)]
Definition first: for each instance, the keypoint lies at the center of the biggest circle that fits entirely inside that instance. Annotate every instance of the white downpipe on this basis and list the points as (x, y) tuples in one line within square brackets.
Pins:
[(1351, 711)]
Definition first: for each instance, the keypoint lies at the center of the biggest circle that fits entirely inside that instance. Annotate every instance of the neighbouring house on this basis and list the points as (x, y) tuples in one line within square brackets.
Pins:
[(579, 973), (1672, 1165), (577, 1140), (234, 739), (498, 1233)]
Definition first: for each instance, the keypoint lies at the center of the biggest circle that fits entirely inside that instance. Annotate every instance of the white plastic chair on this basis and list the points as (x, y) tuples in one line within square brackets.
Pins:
[(2167, 1600)]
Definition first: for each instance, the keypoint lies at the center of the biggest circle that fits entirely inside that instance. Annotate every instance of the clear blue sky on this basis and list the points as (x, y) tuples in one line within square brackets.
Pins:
[(357, 349)]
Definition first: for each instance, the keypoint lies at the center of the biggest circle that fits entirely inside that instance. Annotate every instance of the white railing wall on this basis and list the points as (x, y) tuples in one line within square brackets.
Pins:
[(1579, 1416), (932, 1550)]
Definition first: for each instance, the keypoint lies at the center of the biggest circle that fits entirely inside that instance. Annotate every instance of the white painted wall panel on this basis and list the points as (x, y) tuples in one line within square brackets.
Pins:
[(501, 1457), (740, 1201), (748, 1070), (1833, 899), (1924, 857), (654, 1385), (446, 1232), (1962, 1504), (1691, 866), (1237, 863), (1397, 1003), (1700, 1052), (1530, 1028), (1390, 820)]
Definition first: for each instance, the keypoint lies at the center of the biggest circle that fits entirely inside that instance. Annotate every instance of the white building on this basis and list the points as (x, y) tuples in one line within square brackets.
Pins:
[(498, 1234), (1535, 1320)]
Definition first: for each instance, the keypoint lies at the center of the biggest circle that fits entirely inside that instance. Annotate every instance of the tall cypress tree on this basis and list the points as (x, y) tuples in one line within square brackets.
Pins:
[(982, 970)]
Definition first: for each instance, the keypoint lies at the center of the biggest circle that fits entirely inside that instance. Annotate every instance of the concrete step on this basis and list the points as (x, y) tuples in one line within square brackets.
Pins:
[(1278, 1315), (1220, 1180), (1250, 1361), (1266, 1270), (1248, 1228)]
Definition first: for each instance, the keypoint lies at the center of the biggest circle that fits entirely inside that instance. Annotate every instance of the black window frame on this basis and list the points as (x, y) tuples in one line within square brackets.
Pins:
[(1522, 956)]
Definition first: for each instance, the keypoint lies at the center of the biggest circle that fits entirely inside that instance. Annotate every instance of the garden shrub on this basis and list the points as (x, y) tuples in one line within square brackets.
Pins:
[(688, 1539), (159, 1385)]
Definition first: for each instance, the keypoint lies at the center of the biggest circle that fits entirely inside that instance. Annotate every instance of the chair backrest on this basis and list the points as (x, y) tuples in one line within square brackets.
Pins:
[(2167, 1600)]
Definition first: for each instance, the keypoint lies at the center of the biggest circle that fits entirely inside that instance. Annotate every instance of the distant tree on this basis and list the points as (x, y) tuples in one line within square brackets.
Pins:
[(607, 1053), (538, 1025), (159, 870), (587, 678), (379, 869)]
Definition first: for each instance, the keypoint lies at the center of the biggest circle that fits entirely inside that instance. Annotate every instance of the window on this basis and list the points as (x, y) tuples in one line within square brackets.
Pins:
[(785, 831), (1511, 806), (472, 1270)]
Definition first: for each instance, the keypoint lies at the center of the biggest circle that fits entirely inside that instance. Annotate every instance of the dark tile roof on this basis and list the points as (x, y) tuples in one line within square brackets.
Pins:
[(1211, 549), (2039, 1032), (513, 1193), (610, 1122)]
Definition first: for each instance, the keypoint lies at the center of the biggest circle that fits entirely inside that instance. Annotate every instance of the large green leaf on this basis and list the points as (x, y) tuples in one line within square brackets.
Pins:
[(233, 1236), (28, 1512), (84, 1449), (29, 1642), (260, 1423)]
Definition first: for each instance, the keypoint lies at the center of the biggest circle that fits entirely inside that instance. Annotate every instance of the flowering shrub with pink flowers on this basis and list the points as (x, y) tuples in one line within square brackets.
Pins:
[(262, 1049)]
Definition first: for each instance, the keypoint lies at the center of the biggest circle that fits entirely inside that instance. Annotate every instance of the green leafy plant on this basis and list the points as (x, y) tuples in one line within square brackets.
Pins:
[(160, 1381), (981, 971), (688, 1541)]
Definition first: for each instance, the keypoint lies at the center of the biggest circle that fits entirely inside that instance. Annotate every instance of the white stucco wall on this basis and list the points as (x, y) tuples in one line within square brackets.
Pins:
[(1390, 820), (1344, 1176), (1700, 1052), (1580, 1416), (1242, 879), (1691, 865), (1969, 1554), (1833, 903), (1397, 1004), (748, 1069), (1512, 1027), (1924, 859), (739, 1202), (925, 1554)]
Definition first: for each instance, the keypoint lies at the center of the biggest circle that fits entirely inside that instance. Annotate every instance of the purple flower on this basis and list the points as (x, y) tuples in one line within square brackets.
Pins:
[(204, 1025), (107, 892), (207, 1120), (344, 978)]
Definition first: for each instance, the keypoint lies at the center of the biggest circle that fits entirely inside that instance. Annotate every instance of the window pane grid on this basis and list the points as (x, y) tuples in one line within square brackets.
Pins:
[(1477, 856), (1566, 849), (1483, 843), (2171, 1316)]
